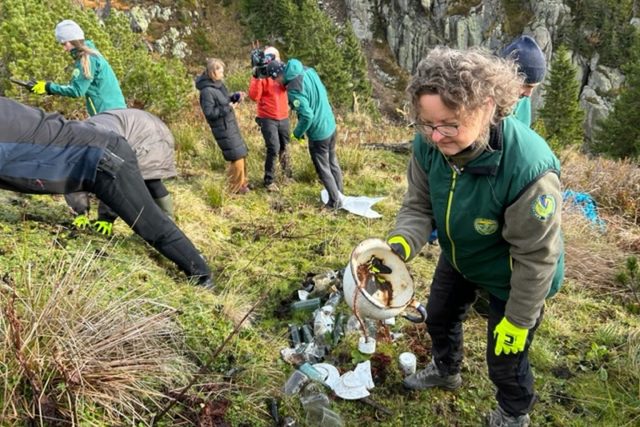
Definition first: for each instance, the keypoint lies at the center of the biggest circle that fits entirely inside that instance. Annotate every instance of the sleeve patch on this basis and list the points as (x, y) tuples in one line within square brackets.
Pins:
[(76, 73), (296, 103), (543, 207)]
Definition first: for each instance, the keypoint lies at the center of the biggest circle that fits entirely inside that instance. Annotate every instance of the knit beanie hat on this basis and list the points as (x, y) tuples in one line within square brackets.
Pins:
[(529, 57), (68, 30), (275, 68)]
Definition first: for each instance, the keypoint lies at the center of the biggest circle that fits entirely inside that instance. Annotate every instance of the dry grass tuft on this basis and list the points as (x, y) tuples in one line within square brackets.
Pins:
[(614, 184), (590, 258), (235, 305), (80, 349)]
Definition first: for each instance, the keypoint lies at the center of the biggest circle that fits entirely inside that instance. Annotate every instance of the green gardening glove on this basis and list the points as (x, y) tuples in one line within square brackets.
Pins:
[(40, 88), (509, 337), (81, 222), (103, 227), (400, 246)]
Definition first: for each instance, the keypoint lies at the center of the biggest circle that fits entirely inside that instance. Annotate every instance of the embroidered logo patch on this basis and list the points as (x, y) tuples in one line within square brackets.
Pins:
[(543, 207), (76, 72), (296, 103), (485, 226)]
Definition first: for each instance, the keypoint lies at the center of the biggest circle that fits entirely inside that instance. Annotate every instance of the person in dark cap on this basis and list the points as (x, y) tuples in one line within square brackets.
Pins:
[(44, 153), (532, 63)]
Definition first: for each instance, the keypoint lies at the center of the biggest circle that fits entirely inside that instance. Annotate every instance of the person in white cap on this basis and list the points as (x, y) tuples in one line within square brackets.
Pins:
[(273, 118), (92, 77)]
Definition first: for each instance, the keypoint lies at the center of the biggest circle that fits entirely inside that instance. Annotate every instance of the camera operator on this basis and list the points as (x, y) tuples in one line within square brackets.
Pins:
[(272, 115)]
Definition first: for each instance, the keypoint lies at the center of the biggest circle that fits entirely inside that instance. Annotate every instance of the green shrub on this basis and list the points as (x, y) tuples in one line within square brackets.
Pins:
[(214, 192), (29, 49), (351, 158)]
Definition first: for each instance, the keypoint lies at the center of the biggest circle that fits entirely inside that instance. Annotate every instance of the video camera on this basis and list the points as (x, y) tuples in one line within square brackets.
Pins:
[(259, 61)]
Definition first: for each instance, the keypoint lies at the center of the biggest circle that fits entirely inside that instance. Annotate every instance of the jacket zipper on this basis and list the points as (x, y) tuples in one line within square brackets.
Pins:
[(93, 107), (448, 218)]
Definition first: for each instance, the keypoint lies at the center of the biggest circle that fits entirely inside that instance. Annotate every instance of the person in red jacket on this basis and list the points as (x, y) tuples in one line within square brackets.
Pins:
[(273, 119)]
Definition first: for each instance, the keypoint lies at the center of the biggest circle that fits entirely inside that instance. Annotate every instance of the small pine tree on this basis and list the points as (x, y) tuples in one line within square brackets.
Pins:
[(561, 113), (356, 63), (312, 39), (619, 134), (309, 35)]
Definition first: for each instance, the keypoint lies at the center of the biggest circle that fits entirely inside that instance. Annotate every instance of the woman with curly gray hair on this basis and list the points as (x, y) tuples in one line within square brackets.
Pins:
[(491, 187)]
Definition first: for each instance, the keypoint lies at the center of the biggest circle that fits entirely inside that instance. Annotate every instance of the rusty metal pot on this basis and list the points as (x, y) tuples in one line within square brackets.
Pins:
[(377, 284)]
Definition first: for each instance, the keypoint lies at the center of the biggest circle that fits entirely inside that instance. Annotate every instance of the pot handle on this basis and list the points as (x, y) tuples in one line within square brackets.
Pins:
[(422, 311)]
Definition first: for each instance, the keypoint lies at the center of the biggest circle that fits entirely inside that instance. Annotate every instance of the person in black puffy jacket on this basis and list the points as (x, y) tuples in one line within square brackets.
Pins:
[(217, 106)]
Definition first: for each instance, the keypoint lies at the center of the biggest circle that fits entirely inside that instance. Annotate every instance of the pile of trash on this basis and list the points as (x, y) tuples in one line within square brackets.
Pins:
[(314, 380)]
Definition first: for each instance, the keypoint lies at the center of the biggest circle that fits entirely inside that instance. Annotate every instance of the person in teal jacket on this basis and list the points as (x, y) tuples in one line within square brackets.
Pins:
[(532, 63), (491, 186), (308, 98), (92, 76)]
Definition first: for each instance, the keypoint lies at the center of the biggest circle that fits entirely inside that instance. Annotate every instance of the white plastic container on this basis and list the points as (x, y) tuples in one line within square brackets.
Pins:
[(407, 361), (368, 346)]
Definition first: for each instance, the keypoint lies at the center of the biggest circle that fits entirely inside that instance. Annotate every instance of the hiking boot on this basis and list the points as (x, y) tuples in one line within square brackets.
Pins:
[(243, 190), (206, 282), (272, 188), (431, 377), (499, 418)]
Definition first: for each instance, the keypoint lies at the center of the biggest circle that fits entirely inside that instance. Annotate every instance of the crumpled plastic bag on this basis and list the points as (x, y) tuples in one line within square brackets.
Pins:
[(357, 205)]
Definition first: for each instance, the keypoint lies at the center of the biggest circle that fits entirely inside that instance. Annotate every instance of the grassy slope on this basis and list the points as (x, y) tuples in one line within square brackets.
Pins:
[(269, 242), (585, 356)]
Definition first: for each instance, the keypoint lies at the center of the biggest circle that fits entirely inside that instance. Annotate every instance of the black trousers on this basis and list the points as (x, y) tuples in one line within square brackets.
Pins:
[(276, 139), (156, 189), (120, 186), (450, 298), (325, 160), (80, 203)]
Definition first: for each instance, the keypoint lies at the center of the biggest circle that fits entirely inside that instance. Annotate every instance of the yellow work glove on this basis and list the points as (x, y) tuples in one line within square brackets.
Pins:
[(400, 246), (293, 138), (103, 227), (40, 88), (509, 337), (81, 222)]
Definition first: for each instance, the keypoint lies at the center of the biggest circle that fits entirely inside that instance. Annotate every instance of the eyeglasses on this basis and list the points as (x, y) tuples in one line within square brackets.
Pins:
[(444, 130)]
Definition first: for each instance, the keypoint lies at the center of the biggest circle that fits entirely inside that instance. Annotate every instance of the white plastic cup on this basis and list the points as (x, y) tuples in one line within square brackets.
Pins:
[(367, 347), (390, 321), (407, 363)]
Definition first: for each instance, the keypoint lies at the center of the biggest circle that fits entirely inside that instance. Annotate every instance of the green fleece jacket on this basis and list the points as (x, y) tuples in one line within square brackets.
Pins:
[(308, 97), (497, 212), (101, 89)]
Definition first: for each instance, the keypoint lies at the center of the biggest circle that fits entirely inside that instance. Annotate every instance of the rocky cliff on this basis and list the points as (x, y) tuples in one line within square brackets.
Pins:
[(412, 27)]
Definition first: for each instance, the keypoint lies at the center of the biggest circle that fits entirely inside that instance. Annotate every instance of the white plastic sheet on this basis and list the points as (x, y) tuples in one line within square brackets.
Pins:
[(357, 205)]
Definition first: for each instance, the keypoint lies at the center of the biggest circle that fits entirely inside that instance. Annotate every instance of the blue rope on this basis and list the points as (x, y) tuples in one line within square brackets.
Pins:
[(585, 203)]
